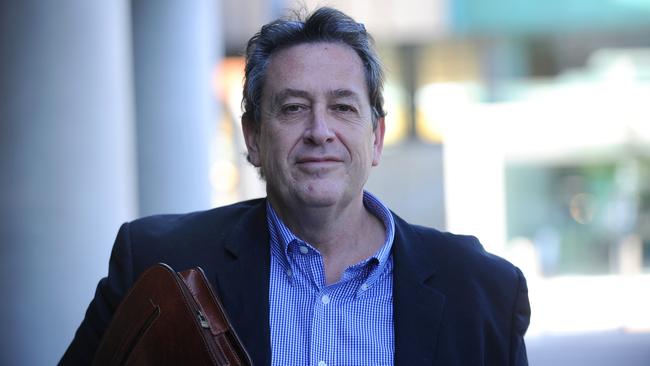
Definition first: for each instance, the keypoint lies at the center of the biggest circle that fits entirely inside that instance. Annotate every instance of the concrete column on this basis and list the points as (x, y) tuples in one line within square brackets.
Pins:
[(176, 45), (66, 165)]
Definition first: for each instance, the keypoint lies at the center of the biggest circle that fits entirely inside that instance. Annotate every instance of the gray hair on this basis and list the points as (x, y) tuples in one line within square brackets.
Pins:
[(323, 25)]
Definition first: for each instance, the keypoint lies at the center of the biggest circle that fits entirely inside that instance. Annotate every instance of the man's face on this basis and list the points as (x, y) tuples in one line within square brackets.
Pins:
[(316, 143)]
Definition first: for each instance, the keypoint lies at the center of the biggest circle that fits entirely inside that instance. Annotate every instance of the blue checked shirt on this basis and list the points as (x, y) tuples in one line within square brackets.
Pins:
[(346, 323)]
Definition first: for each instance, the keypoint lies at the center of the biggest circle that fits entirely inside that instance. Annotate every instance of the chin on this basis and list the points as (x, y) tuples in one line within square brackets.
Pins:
[(319, 195)]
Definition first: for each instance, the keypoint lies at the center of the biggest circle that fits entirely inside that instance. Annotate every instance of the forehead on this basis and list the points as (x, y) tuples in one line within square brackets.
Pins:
[(315, 68)]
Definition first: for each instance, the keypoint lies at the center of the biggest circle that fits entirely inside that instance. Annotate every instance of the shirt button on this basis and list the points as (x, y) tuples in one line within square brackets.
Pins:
[(289, 272), (303, 249), (364, 287), (322, 363), (325, 299)]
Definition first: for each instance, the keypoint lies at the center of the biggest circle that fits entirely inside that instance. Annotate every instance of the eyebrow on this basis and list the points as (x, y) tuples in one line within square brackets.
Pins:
[(343, 93), (288, 93)]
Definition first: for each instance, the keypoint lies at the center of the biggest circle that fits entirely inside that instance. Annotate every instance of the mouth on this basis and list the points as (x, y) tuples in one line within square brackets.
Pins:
[(318, 159)]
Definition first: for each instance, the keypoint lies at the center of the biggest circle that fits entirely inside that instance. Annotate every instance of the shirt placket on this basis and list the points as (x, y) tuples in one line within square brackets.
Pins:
[(322, 326)]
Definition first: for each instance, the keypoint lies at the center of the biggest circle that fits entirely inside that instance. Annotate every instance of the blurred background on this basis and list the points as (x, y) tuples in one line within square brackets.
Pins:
[(525, 123)]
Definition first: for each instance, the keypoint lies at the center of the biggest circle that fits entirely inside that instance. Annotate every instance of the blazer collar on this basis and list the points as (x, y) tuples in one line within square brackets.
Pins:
[(417, 307), (243, 282)]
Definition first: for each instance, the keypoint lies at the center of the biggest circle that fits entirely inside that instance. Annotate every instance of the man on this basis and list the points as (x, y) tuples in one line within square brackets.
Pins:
[(321, 272)]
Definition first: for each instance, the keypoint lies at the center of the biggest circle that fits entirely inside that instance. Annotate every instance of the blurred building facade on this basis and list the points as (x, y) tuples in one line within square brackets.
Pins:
[(524, 123)]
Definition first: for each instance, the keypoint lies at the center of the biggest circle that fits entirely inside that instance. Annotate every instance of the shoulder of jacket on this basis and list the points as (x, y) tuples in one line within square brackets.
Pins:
[(461, 252), (194, 224)]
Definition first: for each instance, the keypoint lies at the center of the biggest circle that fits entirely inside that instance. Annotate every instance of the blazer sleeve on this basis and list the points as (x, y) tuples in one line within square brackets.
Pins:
[(520, 322), (110, 292)]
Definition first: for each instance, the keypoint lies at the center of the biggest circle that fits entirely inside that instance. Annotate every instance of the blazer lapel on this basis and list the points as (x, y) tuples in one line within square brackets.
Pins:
[(243, 286), (417, 308), (243, 282)]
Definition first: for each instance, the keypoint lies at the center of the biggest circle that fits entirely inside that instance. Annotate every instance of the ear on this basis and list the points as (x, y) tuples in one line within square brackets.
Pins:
[(251, 137), (378, 145)]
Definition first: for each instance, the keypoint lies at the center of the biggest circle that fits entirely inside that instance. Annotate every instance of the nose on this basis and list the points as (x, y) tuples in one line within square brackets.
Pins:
[(318, 131)]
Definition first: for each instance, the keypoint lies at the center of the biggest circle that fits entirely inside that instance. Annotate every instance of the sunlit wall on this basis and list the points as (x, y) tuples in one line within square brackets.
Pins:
[(526, 124)]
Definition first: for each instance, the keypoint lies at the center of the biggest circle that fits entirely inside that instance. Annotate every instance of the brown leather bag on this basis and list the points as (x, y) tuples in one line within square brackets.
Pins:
[(170, 318)]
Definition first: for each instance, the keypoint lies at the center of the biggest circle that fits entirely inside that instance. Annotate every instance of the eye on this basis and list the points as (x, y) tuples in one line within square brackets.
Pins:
[(293, 108), (345, 108)]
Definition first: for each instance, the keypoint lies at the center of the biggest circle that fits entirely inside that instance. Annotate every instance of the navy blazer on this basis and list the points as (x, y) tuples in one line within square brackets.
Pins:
[(453, 303)]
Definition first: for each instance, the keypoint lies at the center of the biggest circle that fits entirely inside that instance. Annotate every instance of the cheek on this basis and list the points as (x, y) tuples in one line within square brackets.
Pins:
[(368, 143), (276, 149)]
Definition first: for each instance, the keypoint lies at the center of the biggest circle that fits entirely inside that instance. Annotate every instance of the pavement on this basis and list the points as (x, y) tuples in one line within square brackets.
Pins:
[(610, 348)]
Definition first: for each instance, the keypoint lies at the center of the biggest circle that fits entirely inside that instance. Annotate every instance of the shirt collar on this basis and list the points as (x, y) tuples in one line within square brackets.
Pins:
[(281, 236)]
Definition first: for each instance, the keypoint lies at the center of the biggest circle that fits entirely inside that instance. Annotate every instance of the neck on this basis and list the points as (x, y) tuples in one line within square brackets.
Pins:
[(343, 236)]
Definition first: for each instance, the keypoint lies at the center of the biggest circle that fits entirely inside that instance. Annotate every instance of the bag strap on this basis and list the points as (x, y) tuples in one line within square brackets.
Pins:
[(222, 331)]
